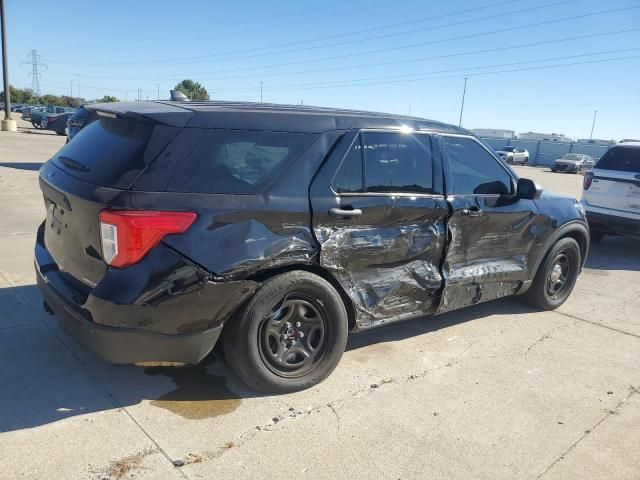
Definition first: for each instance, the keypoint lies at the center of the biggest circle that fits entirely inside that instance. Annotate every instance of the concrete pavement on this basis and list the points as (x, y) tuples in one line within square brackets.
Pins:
[(494, 391)]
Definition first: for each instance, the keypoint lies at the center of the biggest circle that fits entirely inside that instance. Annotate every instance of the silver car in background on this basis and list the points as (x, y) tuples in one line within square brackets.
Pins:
[(573, 163)]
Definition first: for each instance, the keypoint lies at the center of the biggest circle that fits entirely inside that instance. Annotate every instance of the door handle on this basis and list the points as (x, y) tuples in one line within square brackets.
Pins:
[(472, 212), (342, 212)]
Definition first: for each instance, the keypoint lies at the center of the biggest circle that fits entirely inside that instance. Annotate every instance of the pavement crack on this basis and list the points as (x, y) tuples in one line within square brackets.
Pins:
[(547, 335), (598, 324), (614, 411)]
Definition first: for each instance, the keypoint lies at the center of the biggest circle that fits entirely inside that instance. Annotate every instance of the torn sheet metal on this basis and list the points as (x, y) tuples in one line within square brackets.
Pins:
[(389, 273)]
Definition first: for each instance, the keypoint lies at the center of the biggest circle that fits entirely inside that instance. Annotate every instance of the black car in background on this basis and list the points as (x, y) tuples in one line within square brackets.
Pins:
[(78, 120), (56, 122), (281, 229)]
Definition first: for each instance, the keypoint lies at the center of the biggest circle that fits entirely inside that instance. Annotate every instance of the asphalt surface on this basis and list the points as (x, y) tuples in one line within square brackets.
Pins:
[(494, 391)]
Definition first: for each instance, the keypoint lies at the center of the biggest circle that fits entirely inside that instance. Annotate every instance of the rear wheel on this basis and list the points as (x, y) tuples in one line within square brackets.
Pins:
[(291, 334), (557, 275)]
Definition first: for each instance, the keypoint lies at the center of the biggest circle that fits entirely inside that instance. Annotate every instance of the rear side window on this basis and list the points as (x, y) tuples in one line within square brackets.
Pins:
[(621, 159), (108, 152), (239, 161), (473, 170), (387, 162)]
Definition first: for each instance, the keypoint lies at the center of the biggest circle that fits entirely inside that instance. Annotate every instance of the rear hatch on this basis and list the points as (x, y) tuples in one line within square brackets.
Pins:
[(87, 175), (616, 180)]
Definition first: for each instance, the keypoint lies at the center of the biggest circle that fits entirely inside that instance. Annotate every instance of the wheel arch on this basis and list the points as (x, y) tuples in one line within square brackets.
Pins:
[(577, 230), (317, 270)]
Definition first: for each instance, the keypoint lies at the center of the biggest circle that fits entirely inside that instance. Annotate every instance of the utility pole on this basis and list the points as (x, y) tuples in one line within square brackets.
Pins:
[(34, 61), (78, 75), (261, 83), (8, 125), (409, 110), (71, 88), (464, 92), (158, 85), (595, 113)]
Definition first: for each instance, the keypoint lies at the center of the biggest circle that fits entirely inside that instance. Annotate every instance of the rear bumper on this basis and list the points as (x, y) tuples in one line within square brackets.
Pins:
[(613, 224), (161, 309), (126, 345)]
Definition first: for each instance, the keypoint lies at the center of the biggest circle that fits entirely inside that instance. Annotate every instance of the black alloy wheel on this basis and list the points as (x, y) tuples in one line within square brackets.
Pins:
[(290, 335), (556, 276), (293, 337)]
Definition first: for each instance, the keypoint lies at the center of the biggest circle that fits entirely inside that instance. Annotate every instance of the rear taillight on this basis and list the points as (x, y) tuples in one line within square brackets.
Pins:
[(127, 236), (588, 178)]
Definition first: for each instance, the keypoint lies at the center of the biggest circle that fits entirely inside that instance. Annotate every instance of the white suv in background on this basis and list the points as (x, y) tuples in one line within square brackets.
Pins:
[(611, 192), (514, 155)]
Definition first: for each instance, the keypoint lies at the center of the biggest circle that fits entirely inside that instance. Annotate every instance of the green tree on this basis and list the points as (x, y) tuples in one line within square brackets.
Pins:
[(193, 90), (108, 99), (20, 95)]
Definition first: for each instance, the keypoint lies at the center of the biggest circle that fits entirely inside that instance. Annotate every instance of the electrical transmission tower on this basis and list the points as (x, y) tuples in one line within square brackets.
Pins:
[(34, 61)]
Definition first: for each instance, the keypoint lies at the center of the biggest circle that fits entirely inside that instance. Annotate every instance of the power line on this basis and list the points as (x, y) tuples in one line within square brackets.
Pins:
[(191, 60), (366, 80), (368, 65), (392, 25), (393, 79), (34, 61), (262, 26)]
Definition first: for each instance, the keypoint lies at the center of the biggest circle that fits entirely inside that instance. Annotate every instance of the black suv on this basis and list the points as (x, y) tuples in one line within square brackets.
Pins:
[(282, 229)]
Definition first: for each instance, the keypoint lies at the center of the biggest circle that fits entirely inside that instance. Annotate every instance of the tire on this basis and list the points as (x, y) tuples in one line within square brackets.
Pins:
[(292, 313), (596, 236), (546, 294)]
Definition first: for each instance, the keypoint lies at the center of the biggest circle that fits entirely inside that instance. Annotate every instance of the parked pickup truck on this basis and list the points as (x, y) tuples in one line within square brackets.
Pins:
[(37, 116), (514, 155)]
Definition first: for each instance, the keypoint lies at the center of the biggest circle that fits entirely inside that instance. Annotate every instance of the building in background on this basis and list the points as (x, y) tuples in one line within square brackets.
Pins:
[(493, 132), (544, 137), (594, 141)]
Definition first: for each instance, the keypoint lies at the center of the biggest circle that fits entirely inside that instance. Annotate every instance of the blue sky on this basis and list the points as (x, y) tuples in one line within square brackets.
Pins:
[(532, 65)]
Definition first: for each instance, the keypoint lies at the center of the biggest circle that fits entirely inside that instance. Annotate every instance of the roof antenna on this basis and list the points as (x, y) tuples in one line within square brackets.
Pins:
[(178, 96)]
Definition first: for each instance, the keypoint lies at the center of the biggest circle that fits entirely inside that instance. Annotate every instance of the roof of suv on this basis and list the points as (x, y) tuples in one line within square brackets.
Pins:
[(267, 116)]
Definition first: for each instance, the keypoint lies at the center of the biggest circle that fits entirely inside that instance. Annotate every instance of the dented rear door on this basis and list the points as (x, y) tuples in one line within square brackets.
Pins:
[(379, 217), (490, 231)]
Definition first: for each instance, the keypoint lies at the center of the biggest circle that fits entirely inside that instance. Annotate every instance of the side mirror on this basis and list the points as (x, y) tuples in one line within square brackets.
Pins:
[(528, 189)]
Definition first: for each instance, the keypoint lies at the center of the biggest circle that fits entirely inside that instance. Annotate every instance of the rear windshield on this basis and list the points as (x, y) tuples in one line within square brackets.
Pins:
[(108, 152), (239, 161), (621, 159)]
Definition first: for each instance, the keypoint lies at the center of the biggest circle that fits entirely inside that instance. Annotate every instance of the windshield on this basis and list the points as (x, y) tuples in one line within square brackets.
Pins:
[(572, 156), (509, 149)]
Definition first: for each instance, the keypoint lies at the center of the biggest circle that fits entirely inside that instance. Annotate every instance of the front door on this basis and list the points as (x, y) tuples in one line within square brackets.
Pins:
[(379, 218), (491, 231)]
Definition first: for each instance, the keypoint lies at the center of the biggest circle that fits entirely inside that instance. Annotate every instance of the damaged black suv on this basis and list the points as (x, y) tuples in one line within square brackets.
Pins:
[(281, 229)]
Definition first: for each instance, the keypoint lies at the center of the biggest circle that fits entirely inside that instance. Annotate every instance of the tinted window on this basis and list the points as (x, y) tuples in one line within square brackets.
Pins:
[(348, 179), (396, 162), (621, 159), (473, 170), (239, 161), (107, 152)]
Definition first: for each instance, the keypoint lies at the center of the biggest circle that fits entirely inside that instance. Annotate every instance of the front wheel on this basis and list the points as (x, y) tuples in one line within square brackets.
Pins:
[(291, 334), (556, 276)]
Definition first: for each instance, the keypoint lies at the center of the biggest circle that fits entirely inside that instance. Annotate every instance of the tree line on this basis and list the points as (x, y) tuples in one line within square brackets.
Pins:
[(191, 89)]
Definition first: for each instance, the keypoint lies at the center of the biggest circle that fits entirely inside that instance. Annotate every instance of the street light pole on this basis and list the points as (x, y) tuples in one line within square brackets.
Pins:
[(595, 113), (261, 91), (7, 124), (464, 92), (158, 85)]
